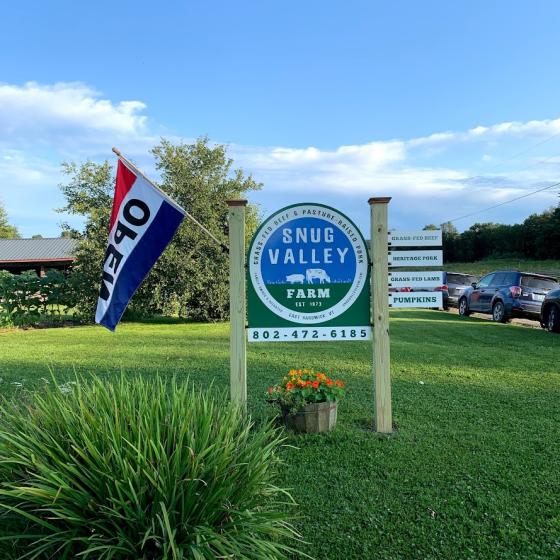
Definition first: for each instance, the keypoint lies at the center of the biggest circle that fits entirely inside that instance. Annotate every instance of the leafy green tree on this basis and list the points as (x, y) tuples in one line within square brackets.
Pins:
[(191, 277), (449, 234), (430, 227), (7, 231), (88, 193), (449, 229)]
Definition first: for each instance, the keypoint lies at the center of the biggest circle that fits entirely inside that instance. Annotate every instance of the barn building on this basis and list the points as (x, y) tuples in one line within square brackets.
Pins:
[(18, 255)]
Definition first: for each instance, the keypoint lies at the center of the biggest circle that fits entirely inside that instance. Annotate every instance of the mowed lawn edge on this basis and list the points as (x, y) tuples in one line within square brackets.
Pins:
[(474, 468)]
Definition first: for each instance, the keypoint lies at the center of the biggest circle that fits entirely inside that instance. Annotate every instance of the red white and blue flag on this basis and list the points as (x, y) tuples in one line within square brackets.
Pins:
[(143, 222)]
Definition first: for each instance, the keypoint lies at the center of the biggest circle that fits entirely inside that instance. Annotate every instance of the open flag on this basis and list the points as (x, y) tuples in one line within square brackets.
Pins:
[(143, 222)]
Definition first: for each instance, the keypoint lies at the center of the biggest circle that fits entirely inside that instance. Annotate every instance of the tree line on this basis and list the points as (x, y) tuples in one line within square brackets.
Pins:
[(538, 237)]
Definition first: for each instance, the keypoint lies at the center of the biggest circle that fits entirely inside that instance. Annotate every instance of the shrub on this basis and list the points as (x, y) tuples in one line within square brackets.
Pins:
[(26, 299), (143, 469)]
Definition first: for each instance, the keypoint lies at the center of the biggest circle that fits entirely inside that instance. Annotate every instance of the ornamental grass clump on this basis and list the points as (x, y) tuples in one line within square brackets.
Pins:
[(305, 386), (139, 469)]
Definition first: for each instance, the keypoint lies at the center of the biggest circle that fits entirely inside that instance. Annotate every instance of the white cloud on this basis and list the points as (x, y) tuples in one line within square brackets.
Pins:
[(395, 166), (41, 125), (452, 183), (65, 110), (514, 129), (373, 156)]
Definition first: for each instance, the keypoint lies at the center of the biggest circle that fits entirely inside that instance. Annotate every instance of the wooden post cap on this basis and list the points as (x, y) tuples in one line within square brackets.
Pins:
[(379, 200), (237, 202)]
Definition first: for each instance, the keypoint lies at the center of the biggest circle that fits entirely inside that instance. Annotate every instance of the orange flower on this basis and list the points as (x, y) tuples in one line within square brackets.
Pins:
[(339, 383), (330, 382), (289, 386), (315, 385)]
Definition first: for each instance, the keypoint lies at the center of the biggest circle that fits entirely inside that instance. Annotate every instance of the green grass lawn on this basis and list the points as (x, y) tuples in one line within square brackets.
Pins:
[(473, 472), (550, 267)]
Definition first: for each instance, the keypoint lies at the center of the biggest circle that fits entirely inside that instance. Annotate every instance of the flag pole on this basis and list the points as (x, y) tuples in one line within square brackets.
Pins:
[(118, 153)]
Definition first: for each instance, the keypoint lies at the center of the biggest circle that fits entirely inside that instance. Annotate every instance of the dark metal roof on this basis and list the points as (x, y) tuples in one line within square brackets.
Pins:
[(37, 250)]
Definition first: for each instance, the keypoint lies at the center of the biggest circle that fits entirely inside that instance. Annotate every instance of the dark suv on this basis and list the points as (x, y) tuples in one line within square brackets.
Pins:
[(507, 294)]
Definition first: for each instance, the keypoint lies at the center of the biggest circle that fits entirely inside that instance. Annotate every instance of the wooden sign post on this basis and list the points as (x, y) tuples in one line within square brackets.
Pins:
[(380, 314), (237, 340)]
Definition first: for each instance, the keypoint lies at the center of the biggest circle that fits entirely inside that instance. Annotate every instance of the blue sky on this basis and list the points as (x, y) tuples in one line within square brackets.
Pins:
[(446, 106)]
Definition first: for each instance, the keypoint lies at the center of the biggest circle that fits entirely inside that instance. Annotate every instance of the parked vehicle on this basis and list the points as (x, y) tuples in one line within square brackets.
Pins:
[(550, 312), (457, 283), (506, 294)]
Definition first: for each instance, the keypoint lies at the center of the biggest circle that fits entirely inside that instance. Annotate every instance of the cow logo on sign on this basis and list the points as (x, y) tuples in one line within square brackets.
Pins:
[(308, 264)]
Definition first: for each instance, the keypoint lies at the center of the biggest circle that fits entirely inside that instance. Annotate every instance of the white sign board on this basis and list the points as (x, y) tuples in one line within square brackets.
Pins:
[(429, 238), (416, 258), (416, 299), (413, 279)]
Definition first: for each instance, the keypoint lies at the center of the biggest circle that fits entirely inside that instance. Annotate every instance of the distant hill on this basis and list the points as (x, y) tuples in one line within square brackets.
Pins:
[(549, 267)]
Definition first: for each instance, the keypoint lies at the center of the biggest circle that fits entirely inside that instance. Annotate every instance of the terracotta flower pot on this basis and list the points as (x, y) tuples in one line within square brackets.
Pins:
[(313, 418)]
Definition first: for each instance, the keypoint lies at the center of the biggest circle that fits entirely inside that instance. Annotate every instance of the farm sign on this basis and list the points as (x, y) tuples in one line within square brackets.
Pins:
[(308, 277)]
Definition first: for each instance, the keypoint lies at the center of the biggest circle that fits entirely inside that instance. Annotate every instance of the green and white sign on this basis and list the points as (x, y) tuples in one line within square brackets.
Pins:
[(308, 277)]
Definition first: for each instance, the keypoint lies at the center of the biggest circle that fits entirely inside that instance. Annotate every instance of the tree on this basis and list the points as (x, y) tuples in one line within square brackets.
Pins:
[(449, 234), (88, 193), (7, 231), (191, 277), (37, 236), (449, 229), (430, 227)]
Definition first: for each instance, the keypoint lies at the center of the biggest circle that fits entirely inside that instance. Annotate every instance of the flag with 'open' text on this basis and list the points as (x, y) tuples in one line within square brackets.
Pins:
[(143, 222)]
